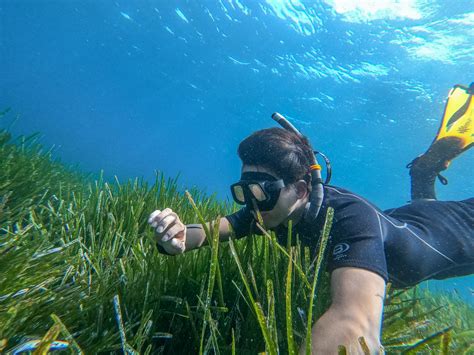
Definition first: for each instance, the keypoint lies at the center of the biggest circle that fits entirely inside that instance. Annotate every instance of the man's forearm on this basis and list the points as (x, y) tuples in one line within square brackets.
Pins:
[(196, 236)]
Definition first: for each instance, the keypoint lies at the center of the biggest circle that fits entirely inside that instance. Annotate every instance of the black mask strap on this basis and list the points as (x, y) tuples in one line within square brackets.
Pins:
[(257, 175)]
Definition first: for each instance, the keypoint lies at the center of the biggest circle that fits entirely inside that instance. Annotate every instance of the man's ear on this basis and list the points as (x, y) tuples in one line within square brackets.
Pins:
[(301, 188)]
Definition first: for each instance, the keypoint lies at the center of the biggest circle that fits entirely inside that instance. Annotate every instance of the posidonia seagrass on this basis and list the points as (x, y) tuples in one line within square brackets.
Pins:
[(70, 244)]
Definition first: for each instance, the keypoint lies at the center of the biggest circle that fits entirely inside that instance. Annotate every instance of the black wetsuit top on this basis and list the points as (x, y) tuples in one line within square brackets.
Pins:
[(406, 245)]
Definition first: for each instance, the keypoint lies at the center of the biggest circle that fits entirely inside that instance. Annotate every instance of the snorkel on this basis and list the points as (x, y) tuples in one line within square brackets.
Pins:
[(316, 196)]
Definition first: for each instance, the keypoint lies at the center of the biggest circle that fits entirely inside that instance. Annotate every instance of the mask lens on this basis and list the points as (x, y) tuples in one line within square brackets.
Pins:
[(257, 192), (239, 194)]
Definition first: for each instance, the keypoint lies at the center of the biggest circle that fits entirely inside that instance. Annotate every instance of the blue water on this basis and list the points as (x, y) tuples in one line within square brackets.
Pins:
[(137, 86)]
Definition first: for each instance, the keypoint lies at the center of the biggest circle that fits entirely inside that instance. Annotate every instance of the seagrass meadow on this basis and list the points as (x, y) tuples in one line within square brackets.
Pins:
[(78, 264)]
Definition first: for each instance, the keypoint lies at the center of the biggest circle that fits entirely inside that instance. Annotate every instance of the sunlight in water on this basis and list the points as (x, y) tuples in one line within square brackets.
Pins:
[(370, 10)]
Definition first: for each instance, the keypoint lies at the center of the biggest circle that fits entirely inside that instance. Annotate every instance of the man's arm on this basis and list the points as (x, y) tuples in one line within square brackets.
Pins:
[(173, 237), (196, 237), (356, 310)]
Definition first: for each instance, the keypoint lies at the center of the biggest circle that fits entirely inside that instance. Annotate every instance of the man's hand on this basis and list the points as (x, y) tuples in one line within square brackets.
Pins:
[(170, 232)]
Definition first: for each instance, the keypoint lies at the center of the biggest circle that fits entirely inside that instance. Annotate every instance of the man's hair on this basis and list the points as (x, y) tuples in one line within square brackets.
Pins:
[(280, 151)]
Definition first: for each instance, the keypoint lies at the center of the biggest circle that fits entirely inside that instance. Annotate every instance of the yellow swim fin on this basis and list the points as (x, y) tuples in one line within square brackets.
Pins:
[(455, 135), (458, 118)]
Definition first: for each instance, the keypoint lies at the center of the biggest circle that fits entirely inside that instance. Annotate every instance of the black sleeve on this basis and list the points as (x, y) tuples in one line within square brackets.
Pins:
[(243, 223), (357, 239)]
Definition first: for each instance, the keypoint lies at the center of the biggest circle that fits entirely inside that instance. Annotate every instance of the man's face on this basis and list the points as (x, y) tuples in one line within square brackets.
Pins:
[(290, 204)]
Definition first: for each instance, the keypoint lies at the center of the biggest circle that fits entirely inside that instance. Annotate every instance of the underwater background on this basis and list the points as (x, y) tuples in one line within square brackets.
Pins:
[(131, 87)]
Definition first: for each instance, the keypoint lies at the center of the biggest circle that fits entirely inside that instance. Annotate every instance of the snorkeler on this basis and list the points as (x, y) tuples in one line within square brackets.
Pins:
[(426, 239)]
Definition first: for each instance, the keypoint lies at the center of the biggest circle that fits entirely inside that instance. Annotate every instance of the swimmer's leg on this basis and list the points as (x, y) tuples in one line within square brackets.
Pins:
[(425, 168), (455, 135)]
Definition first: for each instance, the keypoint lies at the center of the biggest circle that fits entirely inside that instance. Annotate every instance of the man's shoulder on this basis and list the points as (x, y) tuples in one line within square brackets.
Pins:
[(352, 212), (341, 198)]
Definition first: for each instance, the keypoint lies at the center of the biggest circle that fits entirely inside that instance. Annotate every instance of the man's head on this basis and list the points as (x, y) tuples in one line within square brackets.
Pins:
[(280, 157)]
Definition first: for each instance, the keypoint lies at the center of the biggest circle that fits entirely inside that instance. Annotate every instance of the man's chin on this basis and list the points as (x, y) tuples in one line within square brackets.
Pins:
[(269, 224)]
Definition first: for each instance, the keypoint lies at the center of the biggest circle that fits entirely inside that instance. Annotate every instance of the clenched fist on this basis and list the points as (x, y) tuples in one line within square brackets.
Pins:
[(170, 232)]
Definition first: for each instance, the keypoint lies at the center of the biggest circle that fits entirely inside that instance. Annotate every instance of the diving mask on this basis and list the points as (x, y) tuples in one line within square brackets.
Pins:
[(262, 187)]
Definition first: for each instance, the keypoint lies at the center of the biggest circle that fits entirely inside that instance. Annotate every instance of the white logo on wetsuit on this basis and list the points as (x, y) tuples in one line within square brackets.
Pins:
[(340, 248)]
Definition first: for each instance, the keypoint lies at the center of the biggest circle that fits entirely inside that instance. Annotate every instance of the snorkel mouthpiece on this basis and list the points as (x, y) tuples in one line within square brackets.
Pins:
[(317, 191)]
